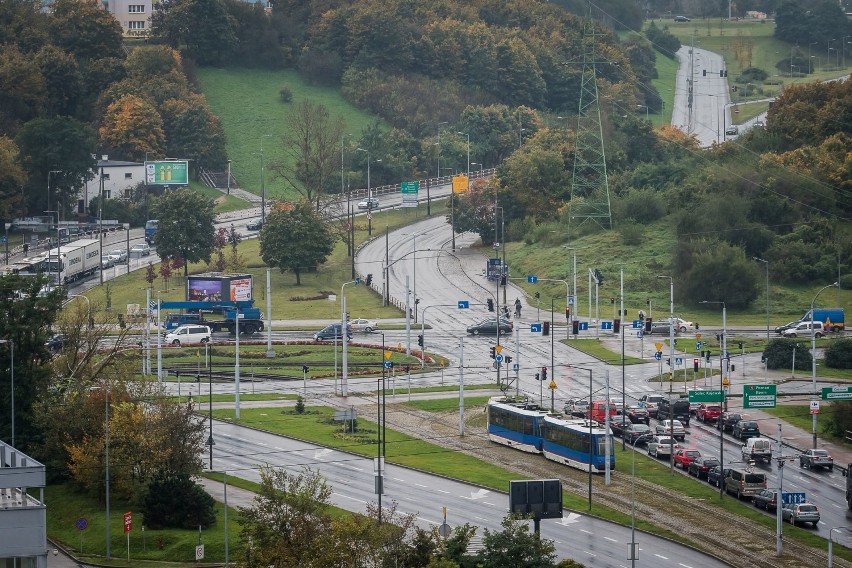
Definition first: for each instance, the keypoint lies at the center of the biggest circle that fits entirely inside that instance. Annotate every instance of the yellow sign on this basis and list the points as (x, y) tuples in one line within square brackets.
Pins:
[(198, 354), (697, 337), (460, 183), (725, 381), (498, 348), (659, 346), (388, 355), (552, 385)]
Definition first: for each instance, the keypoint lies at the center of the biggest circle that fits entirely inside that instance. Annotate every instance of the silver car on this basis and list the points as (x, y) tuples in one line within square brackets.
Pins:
[(800, 513), (661, 447), (673, 427)]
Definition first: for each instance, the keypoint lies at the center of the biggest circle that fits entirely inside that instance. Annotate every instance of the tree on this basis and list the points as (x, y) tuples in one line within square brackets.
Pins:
[(516, 547), (178, 502), (133, 128), (474, 211), (284, 228), (192, 131), (201, 28), (721, 272), (84, 29), (312, 150), (22, 88), (839, 354), (186, 227), (63, 81), (12, 178), (779, 355)]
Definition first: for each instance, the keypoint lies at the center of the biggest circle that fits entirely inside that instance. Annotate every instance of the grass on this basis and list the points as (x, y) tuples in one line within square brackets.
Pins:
[(447, 404), (224, 203), (597, 350), (248, 103), (799, 415)]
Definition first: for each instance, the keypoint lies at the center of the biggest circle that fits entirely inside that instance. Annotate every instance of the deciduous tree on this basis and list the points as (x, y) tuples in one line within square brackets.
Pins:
[(297, 239), (186, 226), (133, 128), (84, 29)]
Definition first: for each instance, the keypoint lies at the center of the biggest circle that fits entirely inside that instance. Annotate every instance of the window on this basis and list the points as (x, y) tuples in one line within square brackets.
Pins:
[(107, 194), (136, 25), (128, 175), (105, 177), (136, 9)]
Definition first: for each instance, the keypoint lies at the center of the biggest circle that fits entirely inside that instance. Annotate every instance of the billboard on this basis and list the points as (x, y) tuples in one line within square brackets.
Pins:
[(167, 172), (240, 289), (204, 290), (217, 287)]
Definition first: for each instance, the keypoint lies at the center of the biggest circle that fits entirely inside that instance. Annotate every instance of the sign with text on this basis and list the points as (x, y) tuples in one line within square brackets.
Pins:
[(409, 191), (837, 393), (759, 396), (716, 395), (460, 183), (128, 521), (167, 173)]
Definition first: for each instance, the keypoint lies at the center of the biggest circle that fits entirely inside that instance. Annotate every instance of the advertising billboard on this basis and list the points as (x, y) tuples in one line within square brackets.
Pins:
[(205, 290), (167, 172), (240, 289)]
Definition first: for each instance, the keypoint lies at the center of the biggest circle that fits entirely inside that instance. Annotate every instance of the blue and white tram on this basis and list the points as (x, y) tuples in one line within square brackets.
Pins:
[(515, 424), (576, 444)]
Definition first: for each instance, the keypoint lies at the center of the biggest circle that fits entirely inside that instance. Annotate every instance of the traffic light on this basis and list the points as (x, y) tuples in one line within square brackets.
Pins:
[(568, 313), (575, 327), (544, 373), (740, 344), (708, 356), (508, 359), (305, 368), (647, 325), (695, 364), (599, 277), (704, 72), (616, 325), (733, 367), (537, 377), (668, 362), (369, 279), (408, 368), (490, 303), (420, 340), (545, 328), (503, 278), (721, 73), (493, 352)]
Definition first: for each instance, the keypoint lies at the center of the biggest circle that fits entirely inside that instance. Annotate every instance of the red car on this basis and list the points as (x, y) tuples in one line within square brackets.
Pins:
[(684, 456), (708, 412)]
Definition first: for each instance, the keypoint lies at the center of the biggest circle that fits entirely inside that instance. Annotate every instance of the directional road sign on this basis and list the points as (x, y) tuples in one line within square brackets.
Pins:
[(464, 304), (658, 355), (759, 396), (498, 358), (535, 327), (697, 345), (793, 498), (640, 333), (606, 325), (837, 393), (637, 324), (388, 364), (678, 361), (516, 367), (584, 325), (716, 395), (532, 279)]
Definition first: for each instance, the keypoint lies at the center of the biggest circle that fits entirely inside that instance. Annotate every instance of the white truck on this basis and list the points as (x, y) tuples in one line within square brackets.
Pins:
[(757, 449), (73, 261)]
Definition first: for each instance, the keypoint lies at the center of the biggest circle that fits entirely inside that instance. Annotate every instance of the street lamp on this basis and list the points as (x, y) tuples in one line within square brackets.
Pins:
[(438, 144), (813, 359), (369, 196), (633, 550), (830, 543), (810, 61), (591, 426), (828, 49), (262, 181), (481, 166), (671, 355), (766, 263), (723, 357), (468, 153), (11, 343)]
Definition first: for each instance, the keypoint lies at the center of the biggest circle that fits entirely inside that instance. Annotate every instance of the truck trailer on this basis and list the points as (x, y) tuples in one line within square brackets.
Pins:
[(73, 261), (834, 319)]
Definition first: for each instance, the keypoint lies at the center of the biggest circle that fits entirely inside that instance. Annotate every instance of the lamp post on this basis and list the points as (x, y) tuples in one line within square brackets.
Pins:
[(11, 343), (671, 355), (452, 212), (633, 550), (646, 110), (724, 357), (229, 177), (438, 144), (344, 384), (828, 50), (468, 152), (843, 48), (262, 180), (481, 166), (591, 426), (810, 64), (830, 543), (766, 264), (369, 196), (813, 360)]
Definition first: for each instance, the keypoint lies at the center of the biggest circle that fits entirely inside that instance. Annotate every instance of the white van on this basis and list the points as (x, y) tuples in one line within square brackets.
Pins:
[(757, 449), (186, 334), (803, 329)]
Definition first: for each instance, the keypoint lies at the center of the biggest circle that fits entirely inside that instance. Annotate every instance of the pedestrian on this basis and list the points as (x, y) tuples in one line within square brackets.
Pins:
[(641, 315), (517, 307), (26, 248)]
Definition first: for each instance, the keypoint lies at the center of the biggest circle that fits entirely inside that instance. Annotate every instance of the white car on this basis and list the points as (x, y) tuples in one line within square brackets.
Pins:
[(187, 334), (140, 250), (365, 325), (684, 325), (662, 446), (106, 262), (118, 256), (665, 428), (369, 203)]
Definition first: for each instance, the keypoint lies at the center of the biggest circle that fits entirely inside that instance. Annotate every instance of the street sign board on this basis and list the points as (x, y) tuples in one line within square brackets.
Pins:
[(814, 407), (697, 345), (571, 300), (498, 358), (128, 521), (516, 367), (388, 364), (636, 324), (199, 552), (678, 361), (716, 395), (658, 355), (81, 523), (409, 191), (793, 498), (535, 328), (659, 346), (837, 393), (464, 304), (759, 396), (167, 172), (532, 279), (460, 183), (498, 348), (606, 325), (584, 325), (640, 333)]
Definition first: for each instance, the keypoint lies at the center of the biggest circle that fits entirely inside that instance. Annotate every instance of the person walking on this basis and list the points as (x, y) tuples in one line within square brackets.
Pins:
[(517, 307)]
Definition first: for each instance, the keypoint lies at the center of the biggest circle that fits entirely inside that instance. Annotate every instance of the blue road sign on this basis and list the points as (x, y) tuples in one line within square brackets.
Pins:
[(516, 367), (357, 281), (678, 361), (571, 300), (658, 355), (584, 325), (498, 358), (3, 240), (464, 304), (152, 306), (535, 327), (532, 279), (640, 333), (388, 364), (793, 498), (606, 325), (637, 324), (697, 345), (81, 523)]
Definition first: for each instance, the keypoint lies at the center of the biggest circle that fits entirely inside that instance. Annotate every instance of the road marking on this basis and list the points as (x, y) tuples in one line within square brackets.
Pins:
[(419, 484), (398, 479), (660, 556), (610, 539), (481, 519), (838, 506), (585, 531), (351, 467), (477, 494), (590, 553), (489, 504), (442, 491), (350, 498), (685, 565)]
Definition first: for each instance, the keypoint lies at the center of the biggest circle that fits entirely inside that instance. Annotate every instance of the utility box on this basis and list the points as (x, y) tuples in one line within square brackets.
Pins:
[(219, 287)]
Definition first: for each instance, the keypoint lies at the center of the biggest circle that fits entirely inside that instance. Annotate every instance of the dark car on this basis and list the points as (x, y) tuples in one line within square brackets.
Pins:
[(332, 332), (681, 19), (639, 434), (765, 499), (716, 475), (663, 328), (57, 343), (782, 328), (489, 327), (677, 409), (701, 467), (638, 414), (255, 224), (618, 424), (745, 429), (727, 420)]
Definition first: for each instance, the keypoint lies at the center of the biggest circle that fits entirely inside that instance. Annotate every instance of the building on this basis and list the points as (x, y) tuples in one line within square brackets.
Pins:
[(119, 179), (133, 15), (23, 519)]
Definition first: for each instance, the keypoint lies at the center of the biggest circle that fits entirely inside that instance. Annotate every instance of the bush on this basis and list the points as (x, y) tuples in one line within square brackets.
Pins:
[(300, 405), (177, 502), (779, 355), (286, 94), (839, 354), (632, 233), (839, 421)]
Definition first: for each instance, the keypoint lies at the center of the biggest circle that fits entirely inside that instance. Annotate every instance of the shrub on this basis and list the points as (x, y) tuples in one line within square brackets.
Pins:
[(300, 405), (632, 233), (839, 421), (839, 354), (177, 502), (286, 94), (779, 355)]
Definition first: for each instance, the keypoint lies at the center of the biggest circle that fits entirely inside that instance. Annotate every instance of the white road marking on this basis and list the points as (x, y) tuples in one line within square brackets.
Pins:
[(398, 479), (685, 565), (489, 504), (442, 491), (661, 556), (590, 553), (610, 539), (420, 485), (481, 519), (585, 531), (350, 498)]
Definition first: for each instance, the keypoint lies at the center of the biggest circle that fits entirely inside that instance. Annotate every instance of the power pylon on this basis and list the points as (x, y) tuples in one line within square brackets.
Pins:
[(589, 185)]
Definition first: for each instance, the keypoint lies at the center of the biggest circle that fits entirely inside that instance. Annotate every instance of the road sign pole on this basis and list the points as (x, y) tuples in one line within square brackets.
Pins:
[(778, 543)]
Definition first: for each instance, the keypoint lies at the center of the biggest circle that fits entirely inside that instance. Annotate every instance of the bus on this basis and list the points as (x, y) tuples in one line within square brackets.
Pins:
[(151, 230)]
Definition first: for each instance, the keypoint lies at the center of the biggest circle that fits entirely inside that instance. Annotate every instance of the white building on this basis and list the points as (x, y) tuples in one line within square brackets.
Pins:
[(133, 15), (23, 519), (118, 179)]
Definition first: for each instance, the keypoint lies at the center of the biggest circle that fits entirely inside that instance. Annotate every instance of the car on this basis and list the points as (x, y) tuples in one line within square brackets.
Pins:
[(757, 448), (141, 249), (638, 434), (332, 332), (617, 424), (638, 414), (716, 475), (489, 327), (106, 262), (744, 482), (681, 19), (369, 203), (677, 409), (816, 458), (577, 408), (700, 467), (727, 420), (662, 446), (745, 429), (759, 124), (187, 334), (708, 412), (57, 342), (663, 328), (652, 403), (803, 328), (363, 324), (255, 224), (780, 329), (685, 456), (666, 426), (732, 131), (765, 499), (118, 256), (800, 513), (684, 325)]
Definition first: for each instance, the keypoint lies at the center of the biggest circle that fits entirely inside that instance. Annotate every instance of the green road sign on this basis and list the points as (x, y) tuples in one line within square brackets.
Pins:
[(717, 395), (837, 393), (167, 172), (409, 187), (759, 396)]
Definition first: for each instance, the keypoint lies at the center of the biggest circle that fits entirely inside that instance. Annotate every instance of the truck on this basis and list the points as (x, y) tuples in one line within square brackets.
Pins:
[(216, 299), (834, 319), (73, 261)]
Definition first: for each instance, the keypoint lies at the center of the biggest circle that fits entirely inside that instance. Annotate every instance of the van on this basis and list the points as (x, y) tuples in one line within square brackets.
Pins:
[(804, 328), (744, 483), (757, 449), (186, 334), (598, 410), (677, 409)]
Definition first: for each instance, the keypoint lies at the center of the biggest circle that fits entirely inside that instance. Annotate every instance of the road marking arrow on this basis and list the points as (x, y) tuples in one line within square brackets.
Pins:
[(478, 494), (570, 519), (319, 454)]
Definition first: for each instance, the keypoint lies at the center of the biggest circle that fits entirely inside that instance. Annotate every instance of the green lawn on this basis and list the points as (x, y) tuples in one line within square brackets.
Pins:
[(447, 404), (799, 415), (248, 103), (597, 350)]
